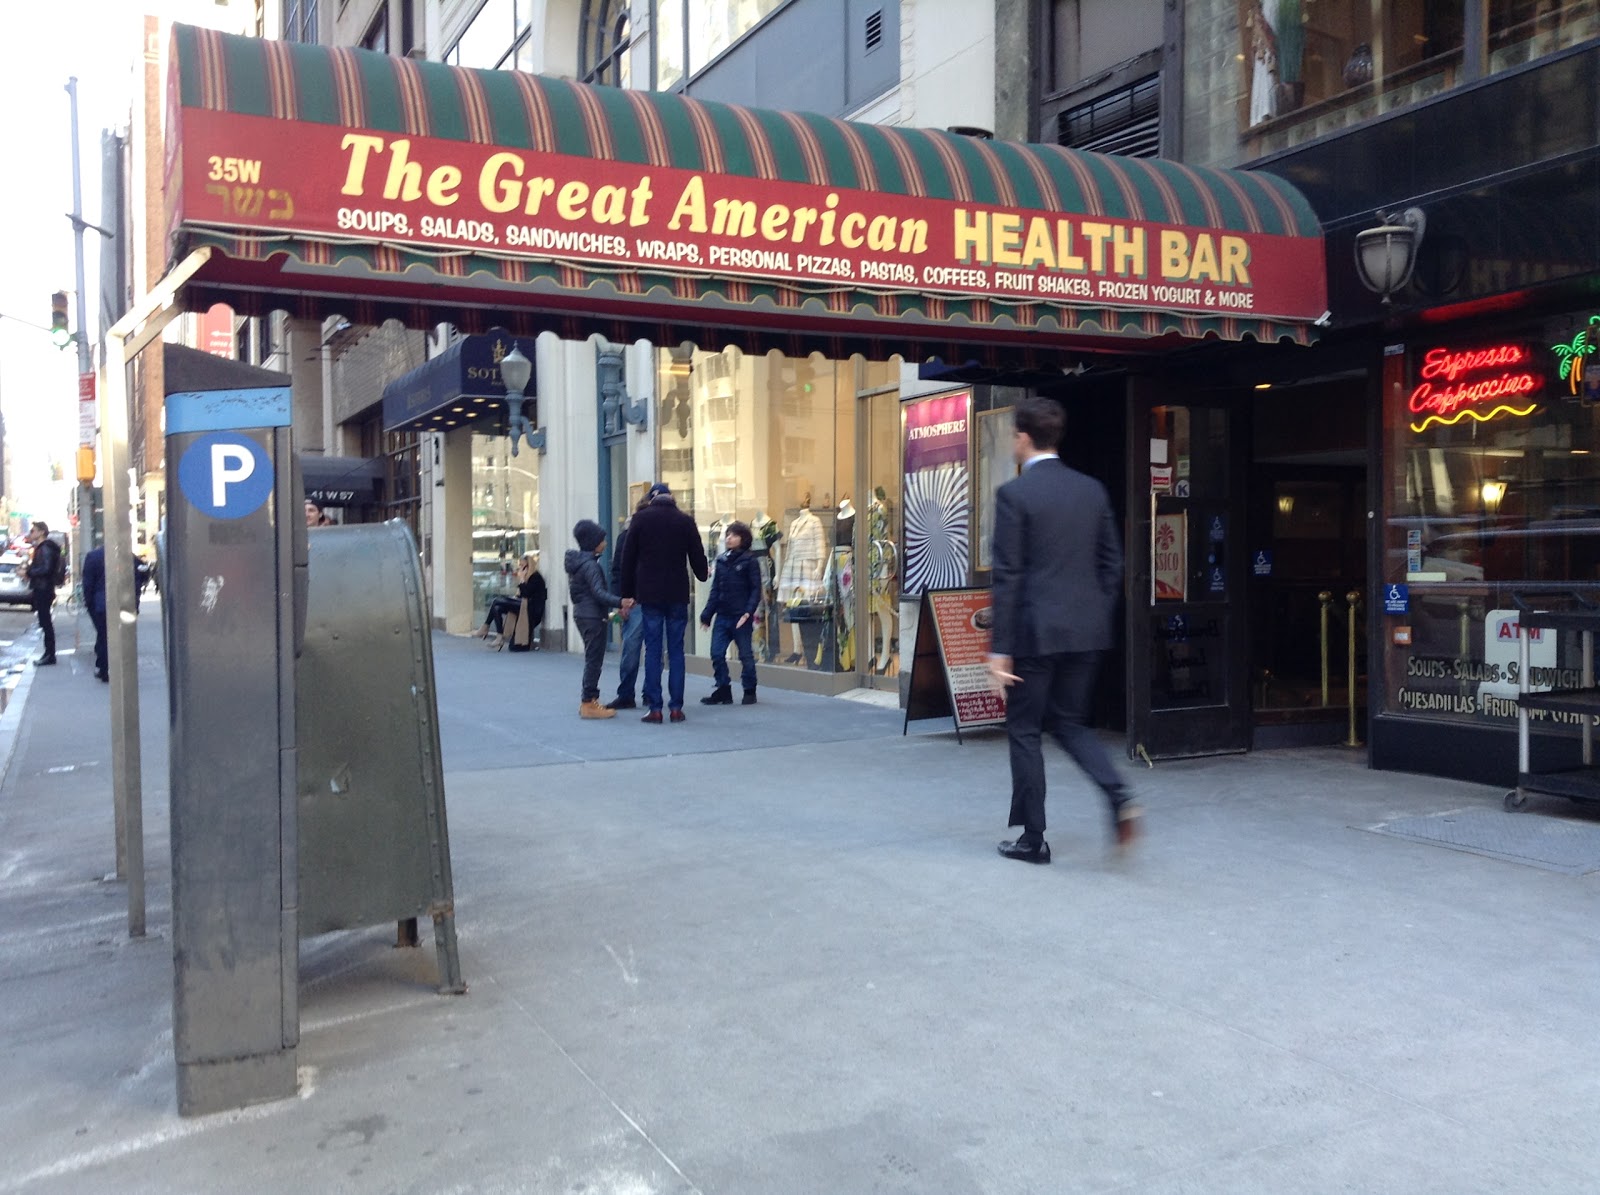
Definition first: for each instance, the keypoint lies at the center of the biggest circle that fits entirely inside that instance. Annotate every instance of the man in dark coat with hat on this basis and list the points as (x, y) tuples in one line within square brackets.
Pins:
[(663, 548)]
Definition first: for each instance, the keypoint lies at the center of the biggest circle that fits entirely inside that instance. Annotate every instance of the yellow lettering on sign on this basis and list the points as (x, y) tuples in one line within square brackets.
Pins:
[(691, 206), (362, 147), (1174, 254)]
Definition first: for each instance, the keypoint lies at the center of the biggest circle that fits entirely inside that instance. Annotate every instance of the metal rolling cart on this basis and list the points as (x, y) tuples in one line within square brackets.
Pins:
[(1575, 612)]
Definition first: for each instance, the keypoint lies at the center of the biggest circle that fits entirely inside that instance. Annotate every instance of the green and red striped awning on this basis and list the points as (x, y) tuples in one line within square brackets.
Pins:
[(335, 180)]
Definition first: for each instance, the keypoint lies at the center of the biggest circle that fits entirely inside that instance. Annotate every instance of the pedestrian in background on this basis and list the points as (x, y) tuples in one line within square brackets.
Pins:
[(1057, 576), (632, 628), (734, 598), (592, 604), (663, 549), (94, 600), (44, 573)]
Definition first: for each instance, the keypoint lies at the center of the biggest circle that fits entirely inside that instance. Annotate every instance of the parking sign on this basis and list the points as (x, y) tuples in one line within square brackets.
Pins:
[(225, 475)]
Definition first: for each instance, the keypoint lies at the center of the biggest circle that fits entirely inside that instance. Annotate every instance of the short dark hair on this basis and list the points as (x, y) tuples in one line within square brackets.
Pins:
[(1042, 420), (742, 530)]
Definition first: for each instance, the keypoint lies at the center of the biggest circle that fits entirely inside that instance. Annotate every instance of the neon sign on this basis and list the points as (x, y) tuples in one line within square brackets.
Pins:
[(1572, 355), (1480, 384)]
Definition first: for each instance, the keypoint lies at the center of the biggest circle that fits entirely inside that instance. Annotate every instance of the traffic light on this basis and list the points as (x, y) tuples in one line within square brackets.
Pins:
[(58, 320)]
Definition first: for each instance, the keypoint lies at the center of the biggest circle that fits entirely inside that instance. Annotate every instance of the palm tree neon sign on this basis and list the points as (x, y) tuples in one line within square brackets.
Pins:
[(1572, 355)]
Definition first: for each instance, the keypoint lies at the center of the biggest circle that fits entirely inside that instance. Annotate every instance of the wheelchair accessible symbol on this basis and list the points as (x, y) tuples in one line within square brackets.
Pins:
[(1397, 599), (225, 475)]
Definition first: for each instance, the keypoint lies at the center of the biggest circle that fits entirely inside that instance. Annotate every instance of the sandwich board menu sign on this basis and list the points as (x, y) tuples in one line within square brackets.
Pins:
[(950, 670)]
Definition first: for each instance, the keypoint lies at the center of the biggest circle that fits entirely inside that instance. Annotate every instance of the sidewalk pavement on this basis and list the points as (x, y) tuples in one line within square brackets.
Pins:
[(773, 950)]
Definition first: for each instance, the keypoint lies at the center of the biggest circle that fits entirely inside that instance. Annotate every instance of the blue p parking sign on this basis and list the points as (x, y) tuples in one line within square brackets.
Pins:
[(225, 475)]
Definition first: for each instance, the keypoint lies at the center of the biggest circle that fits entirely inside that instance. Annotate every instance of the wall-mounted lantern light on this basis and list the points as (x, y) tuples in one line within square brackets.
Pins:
[(515, 371), (618, 411), (1386, 255)]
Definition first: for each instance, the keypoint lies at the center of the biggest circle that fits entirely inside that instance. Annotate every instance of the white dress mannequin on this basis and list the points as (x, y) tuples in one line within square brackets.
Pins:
[(805, 559)]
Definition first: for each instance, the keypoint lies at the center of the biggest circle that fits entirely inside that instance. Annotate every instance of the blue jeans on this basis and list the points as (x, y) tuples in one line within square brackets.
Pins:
[(670, 621), (723, 632), (632, 644)]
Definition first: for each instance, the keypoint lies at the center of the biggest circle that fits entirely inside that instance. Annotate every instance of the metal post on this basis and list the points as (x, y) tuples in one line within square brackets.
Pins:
[(85, 529), (1352, 740), (138, 328), (122, 631), (1326, 599)]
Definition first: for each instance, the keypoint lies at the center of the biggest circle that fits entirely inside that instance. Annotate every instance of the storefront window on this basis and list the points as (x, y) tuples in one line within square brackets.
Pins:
[(1522, 30), (505, 517), (1493, 459), (772, 442), (713, 26), (1303, 68)]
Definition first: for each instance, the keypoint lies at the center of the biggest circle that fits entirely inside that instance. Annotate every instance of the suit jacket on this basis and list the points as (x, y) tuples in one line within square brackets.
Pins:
[(1057, 563)]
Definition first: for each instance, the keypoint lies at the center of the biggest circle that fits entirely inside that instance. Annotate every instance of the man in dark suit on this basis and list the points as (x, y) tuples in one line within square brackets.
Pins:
[(1057, 575)]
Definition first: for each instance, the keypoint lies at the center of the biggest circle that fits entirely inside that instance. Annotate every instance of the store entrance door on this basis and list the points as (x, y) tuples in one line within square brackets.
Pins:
[(1187, 685), (877, 530)]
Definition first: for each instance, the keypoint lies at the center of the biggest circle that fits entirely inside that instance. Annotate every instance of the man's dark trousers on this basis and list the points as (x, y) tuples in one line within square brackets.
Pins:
[(43, 600), (98, 617), (1055, 695)]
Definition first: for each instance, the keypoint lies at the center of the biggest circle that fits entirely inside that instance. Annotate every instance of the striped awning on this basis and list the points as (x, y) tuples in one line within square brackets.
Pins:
[(335, 180)]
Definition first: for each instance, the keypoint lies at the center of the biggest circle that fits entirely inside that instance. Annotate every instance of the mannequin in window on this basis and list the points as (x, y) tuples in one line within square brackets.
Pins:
[(844, 524), (801, 583), (883, 561)]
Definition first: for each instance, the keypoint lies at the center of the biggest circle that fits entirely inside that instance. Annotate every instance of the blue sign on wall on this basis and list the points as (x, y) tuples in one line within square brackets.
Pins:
[(1397, 598), (1261, 562), (225, 475)]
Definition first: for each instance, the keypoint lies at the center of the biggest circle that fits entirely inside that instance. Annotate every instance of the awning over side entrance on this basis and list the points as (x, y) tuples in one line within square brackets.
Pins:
[(341, 480), (379, 186), (460, 387)]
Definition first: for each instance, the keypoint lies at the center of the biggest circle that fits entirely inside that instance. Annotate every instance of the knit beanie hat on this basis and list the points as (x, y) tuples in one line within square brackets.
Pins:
[(589, 534), (659, 488)]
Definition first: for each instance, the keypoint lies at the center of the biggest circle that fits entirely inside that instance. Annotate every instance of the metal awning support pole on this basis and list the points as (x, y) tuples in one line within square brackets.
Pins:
[(124, 341)]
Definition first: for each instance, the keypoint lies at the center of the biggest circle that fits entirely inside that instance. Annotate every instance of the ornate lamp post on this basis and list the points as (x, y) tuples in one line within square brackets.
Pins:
[(515, 370)]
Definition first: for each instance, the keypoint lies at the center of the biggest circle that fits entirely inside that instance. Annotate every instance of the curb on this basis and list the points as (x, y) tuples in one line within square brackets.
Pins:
[(11, 721)]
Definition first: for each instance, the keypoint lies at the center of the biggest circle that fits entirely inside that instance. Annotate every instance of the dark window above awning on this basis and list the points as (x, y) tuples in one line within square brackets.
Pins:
[(460, 387)]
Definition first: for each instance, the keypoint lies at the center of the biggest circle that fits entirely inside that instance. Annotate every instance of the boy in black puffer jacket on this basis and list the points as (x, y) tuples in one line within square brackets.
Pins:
[(592, 604), (734, 599)]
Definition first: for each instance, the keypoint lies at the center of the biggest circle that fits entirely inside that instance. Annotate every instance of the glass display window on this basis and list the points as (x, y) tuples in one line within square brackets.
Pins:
[(505, 517), (1492, 446), (772, 442)]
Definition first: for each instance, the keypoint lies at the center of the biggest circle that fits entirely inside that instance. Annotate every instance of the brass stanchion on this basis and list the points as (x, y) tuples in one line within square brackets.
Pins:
[(1326, 598), (1352, 740)]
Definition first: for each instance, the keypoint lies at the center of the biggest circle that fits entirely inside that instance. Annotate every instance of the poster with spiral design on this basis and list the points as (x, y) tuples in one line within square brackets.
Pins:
[(937, 495)]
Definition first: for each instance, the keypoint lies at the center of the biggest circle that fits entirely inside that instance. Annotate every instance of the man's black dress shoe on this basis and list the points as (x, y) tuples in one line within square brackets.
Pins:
[(101, 676), (622, 703), (42, 660), (1026, 852)]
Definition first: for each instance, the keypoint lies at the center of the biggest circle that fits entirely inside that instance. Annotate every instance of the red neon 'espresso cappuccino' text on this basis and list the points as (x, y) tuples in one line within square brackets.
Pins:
[(1451, 366)]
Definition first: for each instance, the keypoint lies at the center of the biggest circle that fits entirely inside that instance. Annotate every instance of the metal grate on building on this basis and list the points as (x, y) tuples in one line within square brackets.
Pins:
[(1126, 122)]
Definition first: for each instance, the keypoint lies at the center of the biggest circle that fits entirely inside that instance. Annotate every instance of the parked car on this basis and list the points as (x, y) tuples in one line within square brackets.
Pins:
[(14, 587)]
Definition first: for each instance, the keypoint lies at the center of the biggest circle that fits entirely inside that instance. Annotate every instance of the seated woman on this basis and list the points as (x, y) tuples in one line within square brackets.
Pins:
[(530, 588)]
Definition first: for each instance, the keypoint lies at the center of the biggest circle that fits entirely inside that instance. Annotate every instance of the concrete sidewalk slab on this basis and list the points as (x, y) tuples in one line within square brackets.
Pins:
[(800, 967)]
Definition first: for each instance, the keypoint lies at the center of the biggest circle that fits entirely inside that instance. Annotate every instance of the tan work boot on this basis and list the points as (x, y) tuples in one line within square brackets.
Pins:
[(593, 709)]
